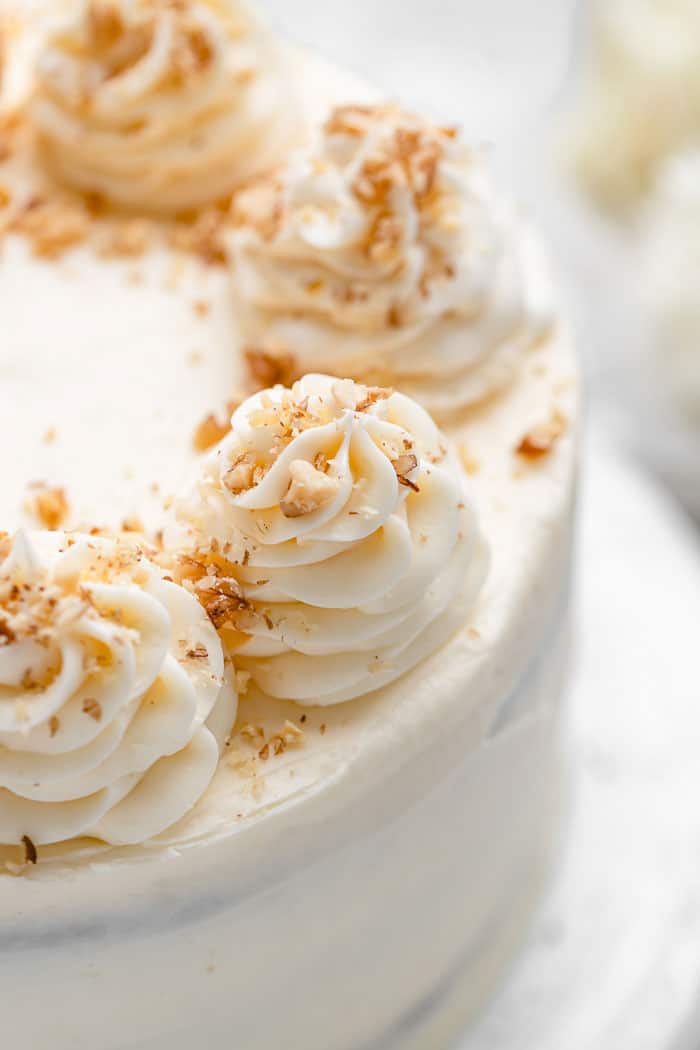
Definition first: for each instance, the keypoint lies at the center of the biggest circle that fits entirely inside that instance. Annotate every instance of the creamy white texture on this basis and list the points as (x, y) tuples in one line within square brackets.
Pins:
[(347, 523), (383, 253), (221, 903), (114, 701), (162, 105), (671, 269), (642, 96)]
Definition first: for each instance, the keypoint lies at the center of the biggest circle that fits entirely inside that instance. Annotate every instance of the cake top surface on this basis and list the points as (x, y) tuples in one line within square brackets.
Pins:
[(101, 345)]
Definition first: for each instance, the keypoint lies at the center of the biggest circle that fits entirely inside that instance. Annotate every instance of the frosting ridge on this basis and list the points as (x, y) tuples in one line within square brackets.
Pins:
[(114, 701), (162, 104), (337, 544), (382, 253)]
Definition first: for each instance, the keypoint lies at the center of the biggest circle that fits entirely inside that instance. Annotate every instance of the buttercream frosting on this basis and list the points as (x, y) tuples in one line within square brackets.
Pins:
[(383, 253), (114, 701), (162, 104), (345, 542)]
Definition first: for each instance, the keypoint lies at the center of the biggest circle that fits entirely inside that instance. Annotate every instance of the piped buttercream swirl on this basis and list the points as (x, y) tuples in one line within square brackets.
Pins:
[(337, 544), (163, 105), (381, 252), (114, 700)]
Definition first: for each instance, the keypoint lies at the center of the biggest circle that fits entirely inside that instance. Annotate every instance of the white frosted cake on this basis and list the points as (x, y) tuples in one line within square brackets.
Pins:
[(281, 661)]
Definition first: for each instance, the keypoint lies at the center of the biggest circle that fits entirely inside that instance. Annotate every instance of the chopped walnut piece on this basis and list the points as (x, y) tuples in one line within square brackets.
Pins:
[(385, 237), (374, 394), (197, 652), (7, 635), (267, 369), (30, 851), (403, 466), (211, 430), (351, 119), (203, 237), (260, 207), (53, 227), (309, 490), (48, 505), (290, 736), (132, 524), (93, 708), (240, 475), (126, 239), (541, 439)]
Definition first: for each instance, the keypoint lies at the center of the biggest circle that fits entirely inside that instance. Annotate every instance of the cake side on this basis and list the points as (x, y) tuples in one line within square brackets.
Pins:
[(410, 826)]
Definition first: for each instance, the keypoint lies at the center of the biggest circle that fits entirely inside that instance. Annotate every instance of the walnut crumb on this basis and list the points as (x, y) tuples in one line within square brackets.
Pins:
[(405, 465), (93, 708), (211, 430), (53, 227), (197, 652), (30, 851), (48, 505), (541, 439), (309, 490), (267, 369), (127, 239)]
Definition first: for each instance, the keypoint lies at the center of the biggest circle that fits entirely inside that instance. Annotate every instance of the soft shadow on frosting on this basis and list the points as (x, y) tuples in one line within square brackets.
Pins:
[(335, 544), (162, 105), (114, 699), (381, 252)]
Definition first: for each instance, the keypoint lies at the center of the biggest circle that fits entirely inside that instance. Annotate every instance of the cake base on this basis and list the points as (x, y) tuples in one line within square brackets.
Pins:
[(367, 943)]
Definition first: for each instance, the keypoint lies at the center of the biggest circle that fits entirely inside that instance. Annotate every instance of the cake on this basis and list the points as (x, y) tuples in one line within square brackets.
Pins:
[(641, 96), (281, 657)]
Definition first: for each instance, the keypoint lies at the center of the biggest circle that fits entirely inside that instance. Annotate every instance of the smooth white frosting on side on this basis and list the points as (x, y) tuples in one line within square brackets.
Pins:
[(162, 105), (641, 99), (114, 700), (347, 527), (382, 252)]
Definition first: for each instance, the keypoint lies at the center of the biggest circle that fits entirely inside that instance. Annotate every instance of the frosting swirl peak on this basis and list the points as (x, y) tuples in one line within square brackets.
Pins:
[(162, 104), (335, 538), (113, 697), (382, 253)]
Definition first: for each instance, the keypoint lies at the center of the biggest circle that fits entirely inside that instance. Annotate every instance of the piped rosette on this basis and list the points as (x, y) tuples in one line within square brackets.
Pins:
[(162, 105), (335, 543), (382, 252), (114, 698)]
